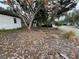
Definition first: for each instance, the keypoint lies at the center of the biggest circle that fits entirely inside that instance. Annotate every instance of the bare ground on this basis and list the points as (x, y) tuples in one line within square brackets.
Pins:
[(37, 44)]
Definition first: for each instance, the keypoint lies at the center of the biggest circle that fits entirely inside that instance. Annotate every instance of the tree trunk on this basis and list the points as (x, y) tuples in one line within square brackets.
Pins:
[(31, 20), (24, 21), (30, 25)]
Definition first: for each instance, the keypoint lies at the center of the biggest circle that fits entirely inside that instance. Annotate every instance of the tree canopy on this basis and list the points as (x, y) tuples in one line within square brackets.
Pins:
[(27, 9)]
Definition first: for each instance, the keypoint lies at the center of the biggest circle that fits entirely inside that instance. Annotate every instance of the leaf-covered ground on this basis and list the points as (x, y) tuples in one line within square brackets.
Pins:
[(37, 44)]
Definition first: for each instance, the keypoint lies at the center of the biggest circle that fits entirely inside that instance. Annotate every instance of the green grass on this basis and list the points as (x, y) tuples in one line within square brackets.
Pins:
[(13, 30)]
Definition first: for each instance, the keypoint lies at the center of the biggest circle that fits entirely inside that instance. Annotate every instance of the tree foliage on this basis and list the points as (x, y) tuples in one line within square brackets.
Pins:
[(28, 10), (73, 18)]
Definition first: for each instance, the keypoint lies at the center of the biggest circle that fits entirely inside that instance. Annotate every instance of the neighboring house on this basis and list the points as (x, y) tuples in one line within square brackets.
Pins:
[(8, 21)]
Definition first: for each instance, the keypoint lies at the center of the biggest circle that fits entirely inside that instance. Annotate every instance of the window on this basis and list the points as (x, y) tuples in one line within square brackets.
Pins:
[(15, 20)]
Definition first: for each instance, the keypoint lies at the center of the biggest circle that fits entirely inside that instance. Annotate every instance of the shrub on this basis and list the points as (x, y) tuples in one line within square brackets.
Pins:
[(58, 23), (70, 35)]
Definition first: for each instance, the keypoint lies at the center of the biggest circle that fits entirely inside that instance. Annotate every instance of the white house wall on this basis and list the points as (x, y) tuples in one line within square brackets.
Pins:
[(7, 22)]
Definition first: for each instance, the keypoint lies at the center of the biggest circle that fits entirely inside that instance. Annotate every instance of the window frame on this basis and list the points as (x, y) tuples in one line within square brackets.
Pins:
[(15, 20)]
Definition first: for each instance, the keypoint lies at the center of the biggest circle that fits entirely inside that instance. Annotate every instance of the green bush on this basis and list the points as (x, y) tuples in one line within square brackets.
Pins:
[(70, 36), (58, 23)]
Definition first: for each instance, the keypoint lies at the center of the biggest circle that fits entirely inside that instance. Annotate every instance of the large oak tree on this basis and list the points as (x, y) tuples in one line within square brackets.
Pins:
[(27, 9)]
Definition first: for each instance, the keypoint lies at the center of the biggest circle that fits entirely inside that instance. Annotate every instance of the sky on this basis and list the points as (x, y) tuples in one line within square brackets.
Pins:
[(1, 0), (3, 5), (77, 6)]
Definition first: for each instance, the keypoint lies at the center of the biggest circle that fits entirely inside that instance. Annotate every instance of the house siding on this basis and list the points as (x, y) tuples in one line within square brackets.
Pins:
[(7, 22)]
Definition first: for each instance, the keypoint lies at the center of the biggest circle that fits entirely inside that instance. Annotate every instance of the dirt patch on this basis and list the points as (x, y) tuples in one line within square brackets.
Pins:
[(36, 44)]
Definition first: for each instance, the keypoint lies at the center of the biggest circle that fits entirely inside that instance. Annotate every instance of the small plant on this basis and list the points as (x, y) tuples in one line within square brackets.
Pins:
[(71, 36), (58, 23)]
